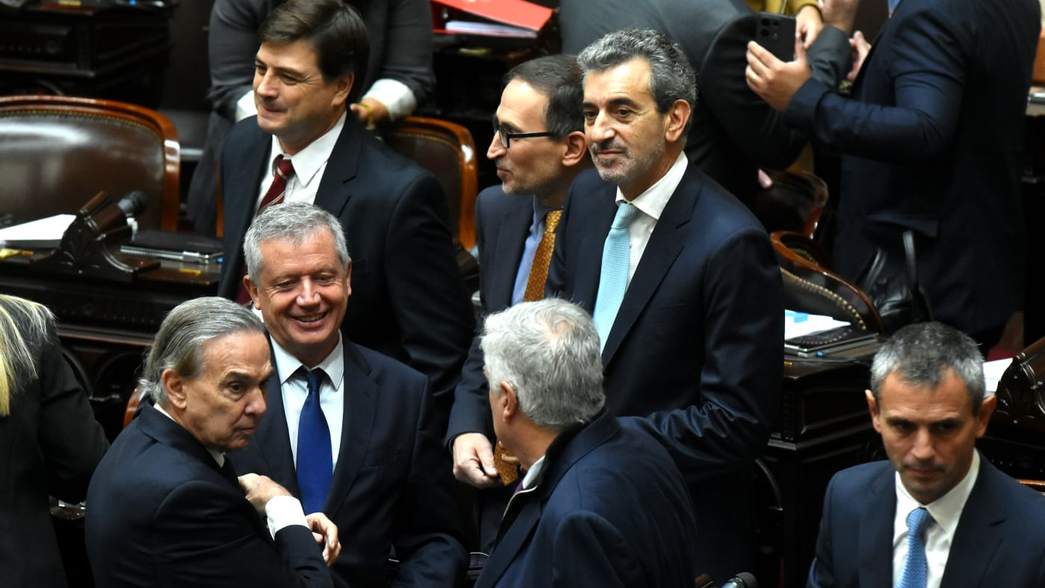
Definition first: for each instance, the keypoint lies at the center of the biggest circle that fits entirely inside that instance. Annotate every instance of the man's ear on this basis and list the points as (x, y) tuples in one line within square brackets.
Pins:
[(872, 407), (348, 279), (343, 87), (678, 116), (174, 384), (510, 403), (252, 289), (984, 417), (576, 149)]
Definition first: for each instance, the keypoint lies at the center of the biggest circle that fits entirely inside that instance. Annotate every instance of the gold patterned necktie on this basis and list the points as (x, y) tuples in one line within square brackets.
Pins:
[(542, 258)]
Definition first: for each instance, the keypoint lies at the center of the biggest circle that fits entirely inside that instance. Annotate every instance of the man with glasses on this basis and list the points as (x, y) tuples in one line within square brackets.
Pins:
[(538, 148)]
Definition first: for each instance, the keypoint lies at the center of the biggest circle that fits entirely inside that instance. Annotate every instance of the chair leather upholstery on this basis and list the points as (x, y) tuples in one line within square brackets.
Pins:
[(57, 152)]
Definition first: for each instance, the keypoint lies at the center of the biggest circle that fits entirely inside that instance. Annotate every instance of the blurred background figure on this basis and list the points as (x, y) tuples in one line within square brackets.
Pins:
[(49, 443)]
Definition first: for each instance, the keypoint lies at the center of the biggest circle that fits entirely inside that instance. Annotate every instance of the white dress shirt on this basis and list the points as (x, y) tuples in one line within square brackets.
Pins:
[(397, 97), (946, 511), (309, 165), (651, 204), (295, 390)]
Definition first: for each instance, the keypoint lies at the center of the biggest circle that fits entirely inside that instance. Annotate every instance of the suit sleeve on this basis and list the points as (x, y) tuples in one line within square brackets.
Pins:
[(203, 538), (427, 536), (926, 68), (589, 551), (740, 382), (426, 288), (408, 48), (71, 441), (232, 43), (821, 572), (471, 409), (754, 127)]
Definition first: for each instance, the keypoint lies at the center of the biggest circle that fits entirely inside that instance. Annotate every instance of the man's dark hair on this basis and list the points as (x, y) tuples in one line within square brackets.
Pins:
[(334, 30), (559, 78)]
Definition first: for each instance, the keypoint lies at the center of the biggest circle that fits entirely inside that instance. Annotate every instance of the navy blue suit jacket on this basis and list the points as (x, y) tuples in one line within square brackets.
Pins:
[(610, 509), (164, 514), (696, 349), (1000, 539), (392, 485), (933, 141), (502, 223), (408, 297)]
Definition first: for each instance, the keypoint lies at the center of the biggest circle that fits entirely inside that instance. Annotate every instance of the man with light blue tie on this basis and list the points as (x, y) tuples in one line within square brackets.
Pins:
[(350, 432), (681, 281), (937, 514)]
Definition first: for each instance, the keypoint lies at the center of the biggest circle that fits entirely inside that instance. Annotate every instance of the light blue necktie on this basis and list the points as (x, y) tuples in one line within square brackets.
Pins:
[(613, 281), (315, 464), (892, 6), (915, 567)]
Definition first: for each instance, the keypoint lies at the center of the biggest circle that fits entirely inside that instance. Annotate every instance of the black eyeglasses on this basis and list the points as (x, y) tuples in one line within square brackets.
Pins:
[(506, 137)]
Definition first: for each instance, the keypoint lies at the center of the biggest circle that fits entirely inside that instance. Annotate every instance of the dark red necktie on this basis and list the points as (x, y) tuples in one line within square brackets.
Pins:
[(277, 190)]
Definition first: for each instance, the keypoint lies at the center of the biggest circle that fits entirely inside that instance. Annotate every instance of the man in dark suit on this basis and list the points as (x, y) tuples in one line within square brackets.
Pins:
[(410, 302), (366, 418), (398, 77), (734, 131), (538, 148), (932, 138), (166, 506), (600, 505), (936, 511), (687, 297)]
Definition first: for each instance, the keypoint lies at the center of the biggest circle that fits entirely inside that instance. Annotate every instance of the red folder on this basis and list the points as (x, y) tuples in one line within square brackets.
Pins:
[(517, 13)]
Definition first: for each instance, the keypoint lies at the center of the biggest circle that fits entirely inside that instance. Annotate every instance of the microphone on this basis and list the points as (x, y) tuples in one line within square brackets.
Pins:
[(134, 202), (741, 580)]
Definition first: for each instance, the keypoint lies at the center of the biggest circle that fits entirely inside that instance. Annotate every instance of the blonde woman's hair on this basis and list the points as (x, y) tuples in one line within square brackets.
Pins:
[(23, 328)]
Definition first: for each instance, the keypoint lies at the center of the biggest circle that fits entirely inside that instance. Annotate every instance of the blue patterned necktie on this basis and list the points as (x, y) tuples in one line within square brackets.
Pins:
[(915, 567), (613, 281), (315, 465)]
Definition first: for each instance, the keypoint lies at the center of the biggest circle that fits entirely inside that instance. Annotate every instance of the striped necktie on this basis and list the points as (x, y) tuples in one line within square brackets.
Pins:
[(277, 190)]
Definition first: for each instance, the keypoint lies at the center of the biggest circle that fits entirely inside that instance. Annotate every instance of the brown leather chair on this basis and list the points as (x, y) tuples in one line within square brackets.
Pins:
[(810, 287), (448, 151), (793, 203), (57, 152), (1036, 485)]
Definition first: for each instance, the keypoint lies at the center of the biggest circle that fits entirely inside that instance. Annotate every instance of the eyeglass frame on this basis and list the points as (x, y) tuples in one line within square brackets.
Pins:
[(505, 138)]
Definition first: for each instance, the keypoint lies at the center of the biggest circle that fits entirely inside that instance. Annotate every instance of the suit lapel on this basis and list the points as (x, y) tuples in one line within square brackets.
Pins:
[(876, 532), (360, 406), (979, 531), (515, 537), (333, 193), (586, 263), (240, 197), (512, 229), (663, 248), (273, 439)]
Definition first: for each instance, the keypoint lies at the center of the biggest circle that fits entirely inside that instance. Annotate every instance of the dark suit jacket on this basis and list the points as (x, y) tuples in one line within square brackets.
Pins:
[(162, 513), (999, 540), (933, 137), (49, 445), (734, 132), (392, 485), (696, 349), (610, 509), (408, 296), (400, 35), (502, 223)]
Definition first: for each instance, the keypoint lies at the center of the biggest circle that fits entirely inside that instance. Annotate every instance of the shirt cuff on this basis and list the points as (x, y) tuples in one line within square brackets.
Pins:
[(245, 106), (283, 511), (397, 97)]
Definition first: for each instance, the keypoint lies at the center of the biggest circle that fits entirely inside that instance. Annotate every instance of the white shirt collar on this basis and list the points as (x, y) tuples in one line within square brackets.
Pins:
[(333, 365), (655, 198), (533, 473), (310, 160)]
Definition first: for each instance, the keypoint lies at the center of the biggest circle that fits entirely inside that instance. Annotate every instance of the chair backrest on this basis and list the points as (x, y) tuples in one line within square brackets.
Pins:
[(57, 152), (811, 287), (448, 151), (793, 203), (1036, 485)]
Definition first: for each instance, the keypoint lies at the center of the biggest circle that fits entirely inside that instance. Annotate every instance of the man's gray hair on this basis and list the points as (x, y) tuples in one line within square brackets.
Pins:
[(178, 344), (548, 351), (922, 355), (672, 75), (293, 221)]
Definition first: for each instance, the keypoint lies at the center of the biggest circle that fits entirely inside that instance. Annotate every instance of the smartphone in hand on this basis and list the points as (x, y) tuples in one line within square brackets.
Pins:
[(776, 33)]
